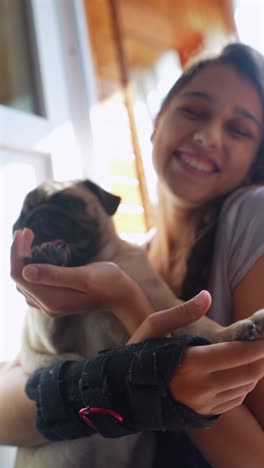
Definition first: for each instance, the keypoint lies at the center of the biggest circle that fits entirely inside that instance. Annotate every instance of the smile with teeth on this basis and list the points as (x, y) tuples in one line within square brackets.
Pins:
[(193, 162)]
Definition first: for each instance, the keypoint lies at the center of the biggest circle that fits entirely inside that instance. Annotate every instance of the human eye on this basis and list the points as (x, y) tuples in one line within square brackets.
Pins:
[(194, 112), (238, 130)]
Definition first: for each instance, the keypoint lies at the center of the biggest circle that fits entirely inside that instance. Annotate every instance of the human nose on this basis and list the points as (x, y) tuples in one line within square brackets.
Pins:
[(209, 135)]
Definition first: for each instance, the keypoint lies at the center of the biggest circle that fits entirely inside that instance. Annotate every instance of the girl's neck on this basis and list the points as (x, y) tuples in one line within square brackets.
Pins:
[(177, 228), (180, 220)]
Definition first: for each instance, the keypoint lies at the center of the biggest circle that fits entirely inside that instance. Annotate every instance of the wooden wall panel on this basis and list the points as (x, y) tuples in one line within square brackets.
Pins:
[(104, 49), (150, 27)]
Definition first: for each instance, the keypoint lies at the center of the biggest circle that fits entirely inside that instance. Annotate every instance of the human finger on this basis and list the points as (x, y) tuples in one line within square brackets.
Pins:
[(227, 405), (99, 284), (28, 298), (162, 323), (228, 355), (52, 301), (21, 248), (197, 386), (236, 377), (225, 400), (81, 278), (217, 404), (58, 302), (203, 394), (88, 280)]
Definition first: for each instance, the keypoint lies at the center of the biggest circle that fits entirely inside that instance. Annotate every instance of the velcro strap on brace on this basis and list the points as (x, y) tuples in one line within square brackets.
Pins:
[(55, 417), (130, 382)]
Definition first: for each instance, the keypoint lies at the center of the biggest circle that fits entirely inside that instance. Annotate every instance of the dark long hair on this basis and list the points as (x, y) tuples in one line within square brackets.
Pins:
[(250, 64)]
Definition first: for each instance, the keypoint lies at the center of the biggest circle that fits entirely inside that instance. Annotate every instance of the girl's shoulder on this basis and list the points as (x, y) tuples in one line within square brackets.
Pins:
[(240, 233), (239, 244), (244, 205)]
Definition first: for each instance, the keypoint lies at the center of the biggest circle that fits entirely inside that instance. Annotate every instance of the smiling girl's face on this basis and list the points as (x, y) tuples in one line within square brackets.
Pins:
[(207, 136)]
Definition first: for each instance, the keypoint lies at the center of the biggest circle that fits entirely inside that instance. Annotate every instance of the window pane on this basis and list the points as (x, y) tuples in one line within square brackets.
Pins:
[(117, 170), (19, 173), (20, 83)]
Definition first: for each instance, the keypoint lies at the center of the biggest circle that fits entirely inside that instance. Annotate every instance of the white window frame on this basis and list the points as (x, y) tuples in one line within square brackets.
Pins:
[(62, 138)]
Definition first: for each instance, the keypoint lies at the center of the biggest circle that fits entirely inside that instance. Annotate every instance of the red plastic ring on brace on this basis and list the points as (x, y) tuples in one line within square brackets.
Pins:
[(90, 410)]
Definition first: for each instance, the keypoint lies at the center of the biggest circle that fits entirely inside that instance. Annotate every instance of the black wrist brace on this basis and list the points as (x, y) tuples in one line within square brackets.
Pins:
[(131, 381)]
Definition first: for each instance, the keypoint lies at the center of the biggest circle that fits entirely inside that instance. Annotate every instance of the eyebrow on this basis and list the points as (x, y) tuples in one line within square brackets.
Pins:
[(247, 115), (199, 94), (238, 109)]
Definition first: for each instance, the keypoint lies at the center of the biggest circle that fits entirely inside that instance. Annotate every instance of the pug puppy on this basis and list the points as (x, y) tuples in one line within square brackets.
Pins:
[(72, 224)]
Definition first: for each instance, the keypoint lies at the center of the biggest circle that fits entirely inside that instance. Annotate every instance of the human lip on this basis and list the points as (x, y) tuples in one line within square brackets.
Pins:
[(197, 161)]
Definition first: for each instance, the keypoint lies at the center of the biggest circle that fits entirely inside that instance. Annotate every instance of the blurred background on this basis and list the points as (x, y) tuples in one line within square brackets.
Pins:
[(80, 84)]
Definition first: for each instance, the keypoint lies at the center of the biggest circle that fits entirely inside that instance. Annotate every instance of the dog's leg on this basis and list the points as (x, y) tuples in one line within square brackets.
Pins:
[(249, 329)]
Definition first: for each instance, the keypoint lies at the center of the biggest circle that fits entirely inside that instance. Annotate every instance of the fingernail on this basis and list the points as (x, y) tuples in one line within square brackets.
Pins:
[(31, 273), (24, 242), (20, 242), (27, 235), (199, 299), (16, 233)]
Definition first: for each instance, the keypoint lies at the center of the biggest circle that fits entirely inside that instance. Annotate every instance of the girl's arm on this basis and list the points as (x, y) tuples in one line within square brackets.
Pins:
[(202, 387), (248, 297), (237, 439), (17, 412)]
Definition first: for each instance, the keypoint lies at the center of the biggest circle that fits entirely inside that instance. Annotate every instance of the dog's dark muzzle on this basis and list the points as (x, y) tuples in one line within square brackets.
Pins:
[(60, 229)]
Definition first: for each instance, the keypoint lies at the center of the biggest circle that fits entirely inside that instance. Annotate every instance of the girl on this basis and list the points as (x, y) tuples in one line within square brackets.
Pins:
[(207, 151), (208, 154)]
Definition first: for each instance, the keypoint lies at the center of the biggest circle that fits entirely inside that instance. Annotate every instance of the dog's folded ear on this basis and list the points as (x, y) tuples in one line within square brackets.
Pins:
[(109, 201)]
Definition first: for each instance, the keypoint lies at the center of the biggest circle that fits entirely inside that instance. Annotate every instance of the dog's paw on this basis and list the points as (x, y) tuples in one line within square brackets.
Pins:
[(49, 253), (250, 329)]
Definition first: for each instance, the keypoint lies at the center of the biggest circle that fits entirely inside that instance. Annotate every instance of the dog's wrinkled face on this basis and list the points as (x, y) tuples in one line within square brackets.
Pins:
[(67, 221)]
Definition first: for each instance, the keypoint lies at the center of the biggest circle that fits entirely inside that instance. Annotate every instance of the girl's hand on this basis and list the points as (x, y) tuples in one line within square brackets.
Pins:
[(216, 378), (58, 291), (211, 379)]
